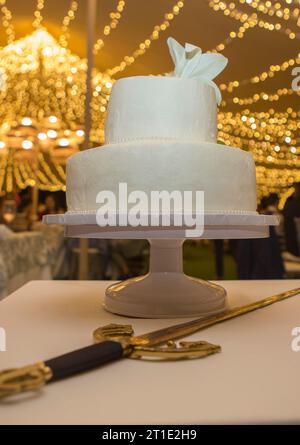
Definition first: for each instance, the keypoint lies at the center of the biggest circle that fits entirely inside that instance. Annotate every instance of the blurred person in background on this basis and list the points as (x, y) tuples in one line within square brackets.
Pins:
[(219, 258), (260, 259), (272, 208), (22, 221), (50, 206), (290, 212), (1, 210)]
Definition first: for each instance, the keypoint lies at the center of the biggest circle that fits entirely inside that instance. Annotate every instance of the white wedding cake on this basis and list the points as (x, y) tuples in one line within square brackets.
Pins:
[(161, 135)]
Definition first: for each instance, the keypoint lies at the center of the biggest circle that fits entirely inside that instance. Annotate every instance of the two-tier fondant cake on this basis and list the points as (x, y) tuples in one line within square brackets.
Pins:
[(161, 135)]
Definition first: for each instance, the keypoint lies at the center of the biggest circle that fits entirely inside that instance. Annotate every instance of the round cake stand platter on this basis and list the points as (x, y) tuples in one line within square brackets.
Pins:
[(166, 292)]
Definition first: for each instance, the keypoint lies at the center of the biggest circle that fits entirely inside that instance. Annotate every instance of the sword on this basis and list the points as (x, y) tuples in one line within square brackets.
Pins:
[(113, 342)]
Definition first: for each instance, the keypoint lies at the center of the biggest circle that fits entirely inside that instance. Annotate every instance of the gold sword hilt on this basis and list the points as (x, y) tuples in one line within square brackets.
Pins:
[(33, 377), (14, 381), (169, 351), (28, 378)]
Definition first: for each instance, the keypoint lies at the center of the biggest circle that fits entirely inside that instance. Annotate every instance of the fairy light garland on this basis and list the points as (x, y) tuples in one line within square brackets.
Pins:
[(42, 111), (240, 33), (21, 184), (269, 126), (259, 149), (7, 21), (274, 140), (28, 100), (145, 45), (115, 17), (271, 97), (271, 71), (3, 163), (271, 9), (231, 11), (276, 180), (68, 18), (38, 14)]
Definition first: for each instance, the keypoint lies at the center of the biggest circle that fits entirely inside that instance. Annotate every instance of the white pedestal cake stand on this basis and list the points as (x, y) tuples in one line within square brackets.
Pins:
[(166, 292)]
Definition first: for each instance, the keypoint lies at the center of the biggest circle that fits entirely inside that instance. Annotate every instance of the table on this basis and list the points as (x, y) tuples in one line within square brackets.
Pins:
[(255, 379)]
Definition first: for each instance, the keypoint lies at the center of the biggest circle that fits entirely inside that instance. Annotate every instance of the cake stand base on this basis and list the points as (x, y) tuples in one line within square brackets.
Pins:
[(165, 292)]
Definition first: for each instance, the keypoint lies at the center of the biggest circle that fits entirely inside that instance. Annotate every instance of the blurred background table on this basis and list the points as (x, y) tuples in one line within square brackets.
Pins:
[(25, 256), (255, 379)]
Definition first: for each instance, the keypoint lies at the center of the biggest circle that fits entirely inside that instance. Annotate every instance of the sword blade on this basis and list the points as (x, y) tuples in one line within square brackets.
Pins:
[(190, 327), (28, 378)]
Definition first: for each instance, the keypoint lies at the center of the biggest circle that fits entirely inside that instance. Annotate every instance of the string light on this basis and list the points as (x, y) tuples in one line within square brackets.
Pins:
[(272, 10), (274, 180), (68, 18), (42, 108), (232, 35), (52, 134), (46, 169), (115, 19), (262, 77), (63, 142), (27, 145), (145, 45), (231, 11), (272, 97), (42, 136), (43, 100), (26, 121), (61, 172), (7, 21), (274, 140), (53, 119), (268, 127), (37, 14), (3, 164)]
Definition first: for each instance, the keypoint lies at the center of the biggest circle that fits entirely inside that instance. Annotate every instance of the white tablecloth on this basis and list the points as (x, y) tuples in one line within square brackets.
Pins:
[(254, 379)]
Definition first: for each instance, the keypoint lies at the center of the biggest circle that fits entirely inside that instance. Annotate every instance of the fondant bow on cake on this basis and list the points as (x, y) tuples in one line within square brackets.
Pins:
[(189, 61)]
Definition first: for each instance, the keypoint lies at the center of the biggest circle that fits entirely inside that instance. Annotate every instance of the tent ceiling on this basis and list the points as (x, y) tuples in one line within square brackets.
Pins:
[(196, 23)]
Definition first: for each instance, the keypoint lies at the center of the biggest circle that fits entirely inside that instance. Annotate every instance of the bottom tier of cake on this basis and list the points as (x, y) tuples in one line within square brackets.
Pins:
[(226, 175)]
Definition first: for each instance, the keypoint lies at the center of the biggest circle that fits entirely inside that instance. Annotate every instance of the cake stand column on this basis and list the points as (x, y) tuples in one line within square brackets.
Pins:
[(166, 256), (165, 292)]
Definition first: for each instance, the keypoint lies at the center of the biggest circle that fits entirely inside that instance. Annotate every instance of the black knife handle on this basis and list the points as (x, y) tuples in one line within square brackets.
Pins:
[(84, 359)]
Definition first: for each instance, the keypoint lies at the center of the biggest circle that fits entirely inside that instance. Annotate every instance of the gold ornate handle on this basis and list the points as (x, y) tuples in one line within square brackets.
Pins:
[(33, 377), (27, 378), (170, 351)]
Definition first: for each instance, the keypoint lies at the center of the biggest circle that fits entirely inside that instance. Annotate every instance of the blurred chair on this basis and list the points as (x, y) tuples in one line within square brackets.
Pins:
[(97, 258)]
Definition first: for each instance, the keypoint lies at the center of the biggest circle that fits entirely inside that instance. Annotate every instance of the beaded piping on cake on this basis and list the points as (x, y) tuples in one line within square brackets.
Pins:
[(207, 212), (151, 138)]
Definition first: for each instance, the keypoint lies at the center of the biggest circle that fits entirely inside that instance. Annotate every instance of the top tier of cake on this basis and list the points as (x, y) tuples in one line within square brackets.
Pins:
[(168, 108)]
